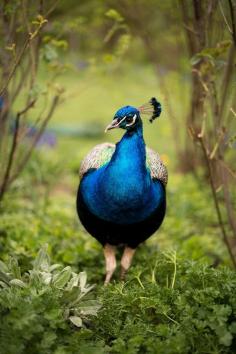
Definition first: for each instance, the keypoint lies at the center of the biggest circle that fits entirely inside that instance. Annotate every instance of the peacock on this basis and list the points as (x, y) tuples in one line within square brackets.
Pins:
[(121, 198)]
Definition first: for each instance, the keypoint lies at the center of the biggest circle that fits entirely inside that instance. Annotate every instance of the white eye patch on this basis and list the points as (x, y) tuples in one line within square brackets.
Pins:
[(133, 121), (118, 123)]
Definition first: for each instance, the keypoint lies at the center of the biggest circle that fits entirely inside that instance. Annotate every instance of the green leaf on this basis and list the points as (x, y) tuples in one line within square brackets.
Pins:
[(4, 277), (46, 277), (82, 280), (71, 296), (89, 307), (77, 321), (226, 339), (49, 53), (60, 279), (42, 261), (60, 43), (114, 15), (3, 267), (54, 267), (3, 285), (73, 282), (14, 268), (88, 288), (17, 282), (195, 59), (232, 327)]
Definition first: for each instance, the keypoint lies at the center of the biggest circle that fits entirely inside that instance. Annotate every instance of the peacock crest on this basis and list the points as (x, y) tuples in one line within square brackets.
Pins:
[(151, 108)]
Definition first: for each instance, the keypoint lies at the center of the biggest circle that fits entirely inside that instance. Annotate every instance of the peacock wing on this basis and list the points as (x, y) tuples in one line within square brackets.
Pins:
[(97, 157), (157, 168)]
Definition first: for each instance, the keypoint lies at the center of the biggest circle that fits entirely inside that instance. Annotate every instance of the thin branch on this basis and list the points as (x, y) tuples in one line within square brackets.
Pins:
[(17, 62), (21, 81), (229, 170), (31, 49), (228, 203), (224, 17), (200, 138), (26, 158), (52, 8), (190, 32), (232, 110), (30, 37), (232, 16), (13, 149), (227, 79)]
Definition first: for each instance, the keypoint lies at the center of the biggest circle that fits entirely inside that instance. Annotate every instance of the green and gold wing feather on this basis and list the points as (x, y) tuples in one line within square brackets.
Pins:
[(102, 153), (97, 157), (156, 166)]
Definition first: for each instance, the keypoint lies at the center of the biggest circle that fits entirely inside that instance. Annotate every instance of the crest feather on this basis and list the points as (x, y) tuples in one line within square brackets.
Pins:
[(152, 108)]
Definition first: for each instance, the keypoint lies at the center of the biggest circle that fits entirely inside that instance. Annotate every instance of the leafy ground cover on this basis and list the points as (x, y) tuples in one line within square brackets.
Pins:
[(36, 304), (167, 305), (174, 299)]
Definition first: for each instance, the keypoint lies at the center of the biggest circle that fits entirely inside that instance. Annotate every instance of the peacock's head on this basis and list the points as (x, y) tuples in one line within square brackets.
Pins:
[(128, 117)]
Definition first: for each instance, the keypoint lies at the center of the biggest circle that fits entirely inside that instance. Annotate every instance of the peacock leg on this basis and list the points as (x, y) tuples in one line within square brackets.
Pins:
[(126, 261), (110, 258)]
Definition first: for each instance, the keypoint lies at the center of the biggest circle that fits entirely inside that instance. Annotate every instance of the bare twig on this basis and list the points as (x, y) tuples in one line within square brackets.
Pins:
[(17, 62), (228, 202), (227, 79), (29, 38), (13, 150), (232, 16), (31, 47), (52, 8), (224, 17), (21, 81), (232, 110), (26, 158), (200, 138), (190, 32), (229, 170)]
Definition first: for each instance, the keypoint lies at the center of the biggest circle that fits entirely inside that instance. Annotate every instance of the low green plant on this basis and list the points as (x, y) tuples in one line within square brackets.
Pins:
[(167, 306), (170, 306), (41, 308)]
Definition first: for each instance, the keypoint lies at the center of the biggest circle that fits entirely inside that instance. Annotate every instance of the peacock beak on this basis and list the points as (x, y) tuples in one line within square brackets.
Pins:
[(114, 124)]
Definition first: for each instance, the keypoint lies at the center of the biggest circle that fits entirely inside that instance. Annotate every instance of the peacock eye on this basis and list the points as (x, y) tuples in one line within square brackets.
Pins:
[(129, 119)]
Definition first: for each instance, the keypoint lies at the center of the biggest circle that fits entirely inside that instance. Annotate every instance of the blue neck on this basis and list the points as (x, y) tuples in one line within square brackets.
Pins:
[(130, 155), (126, 179), (123, 191)]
